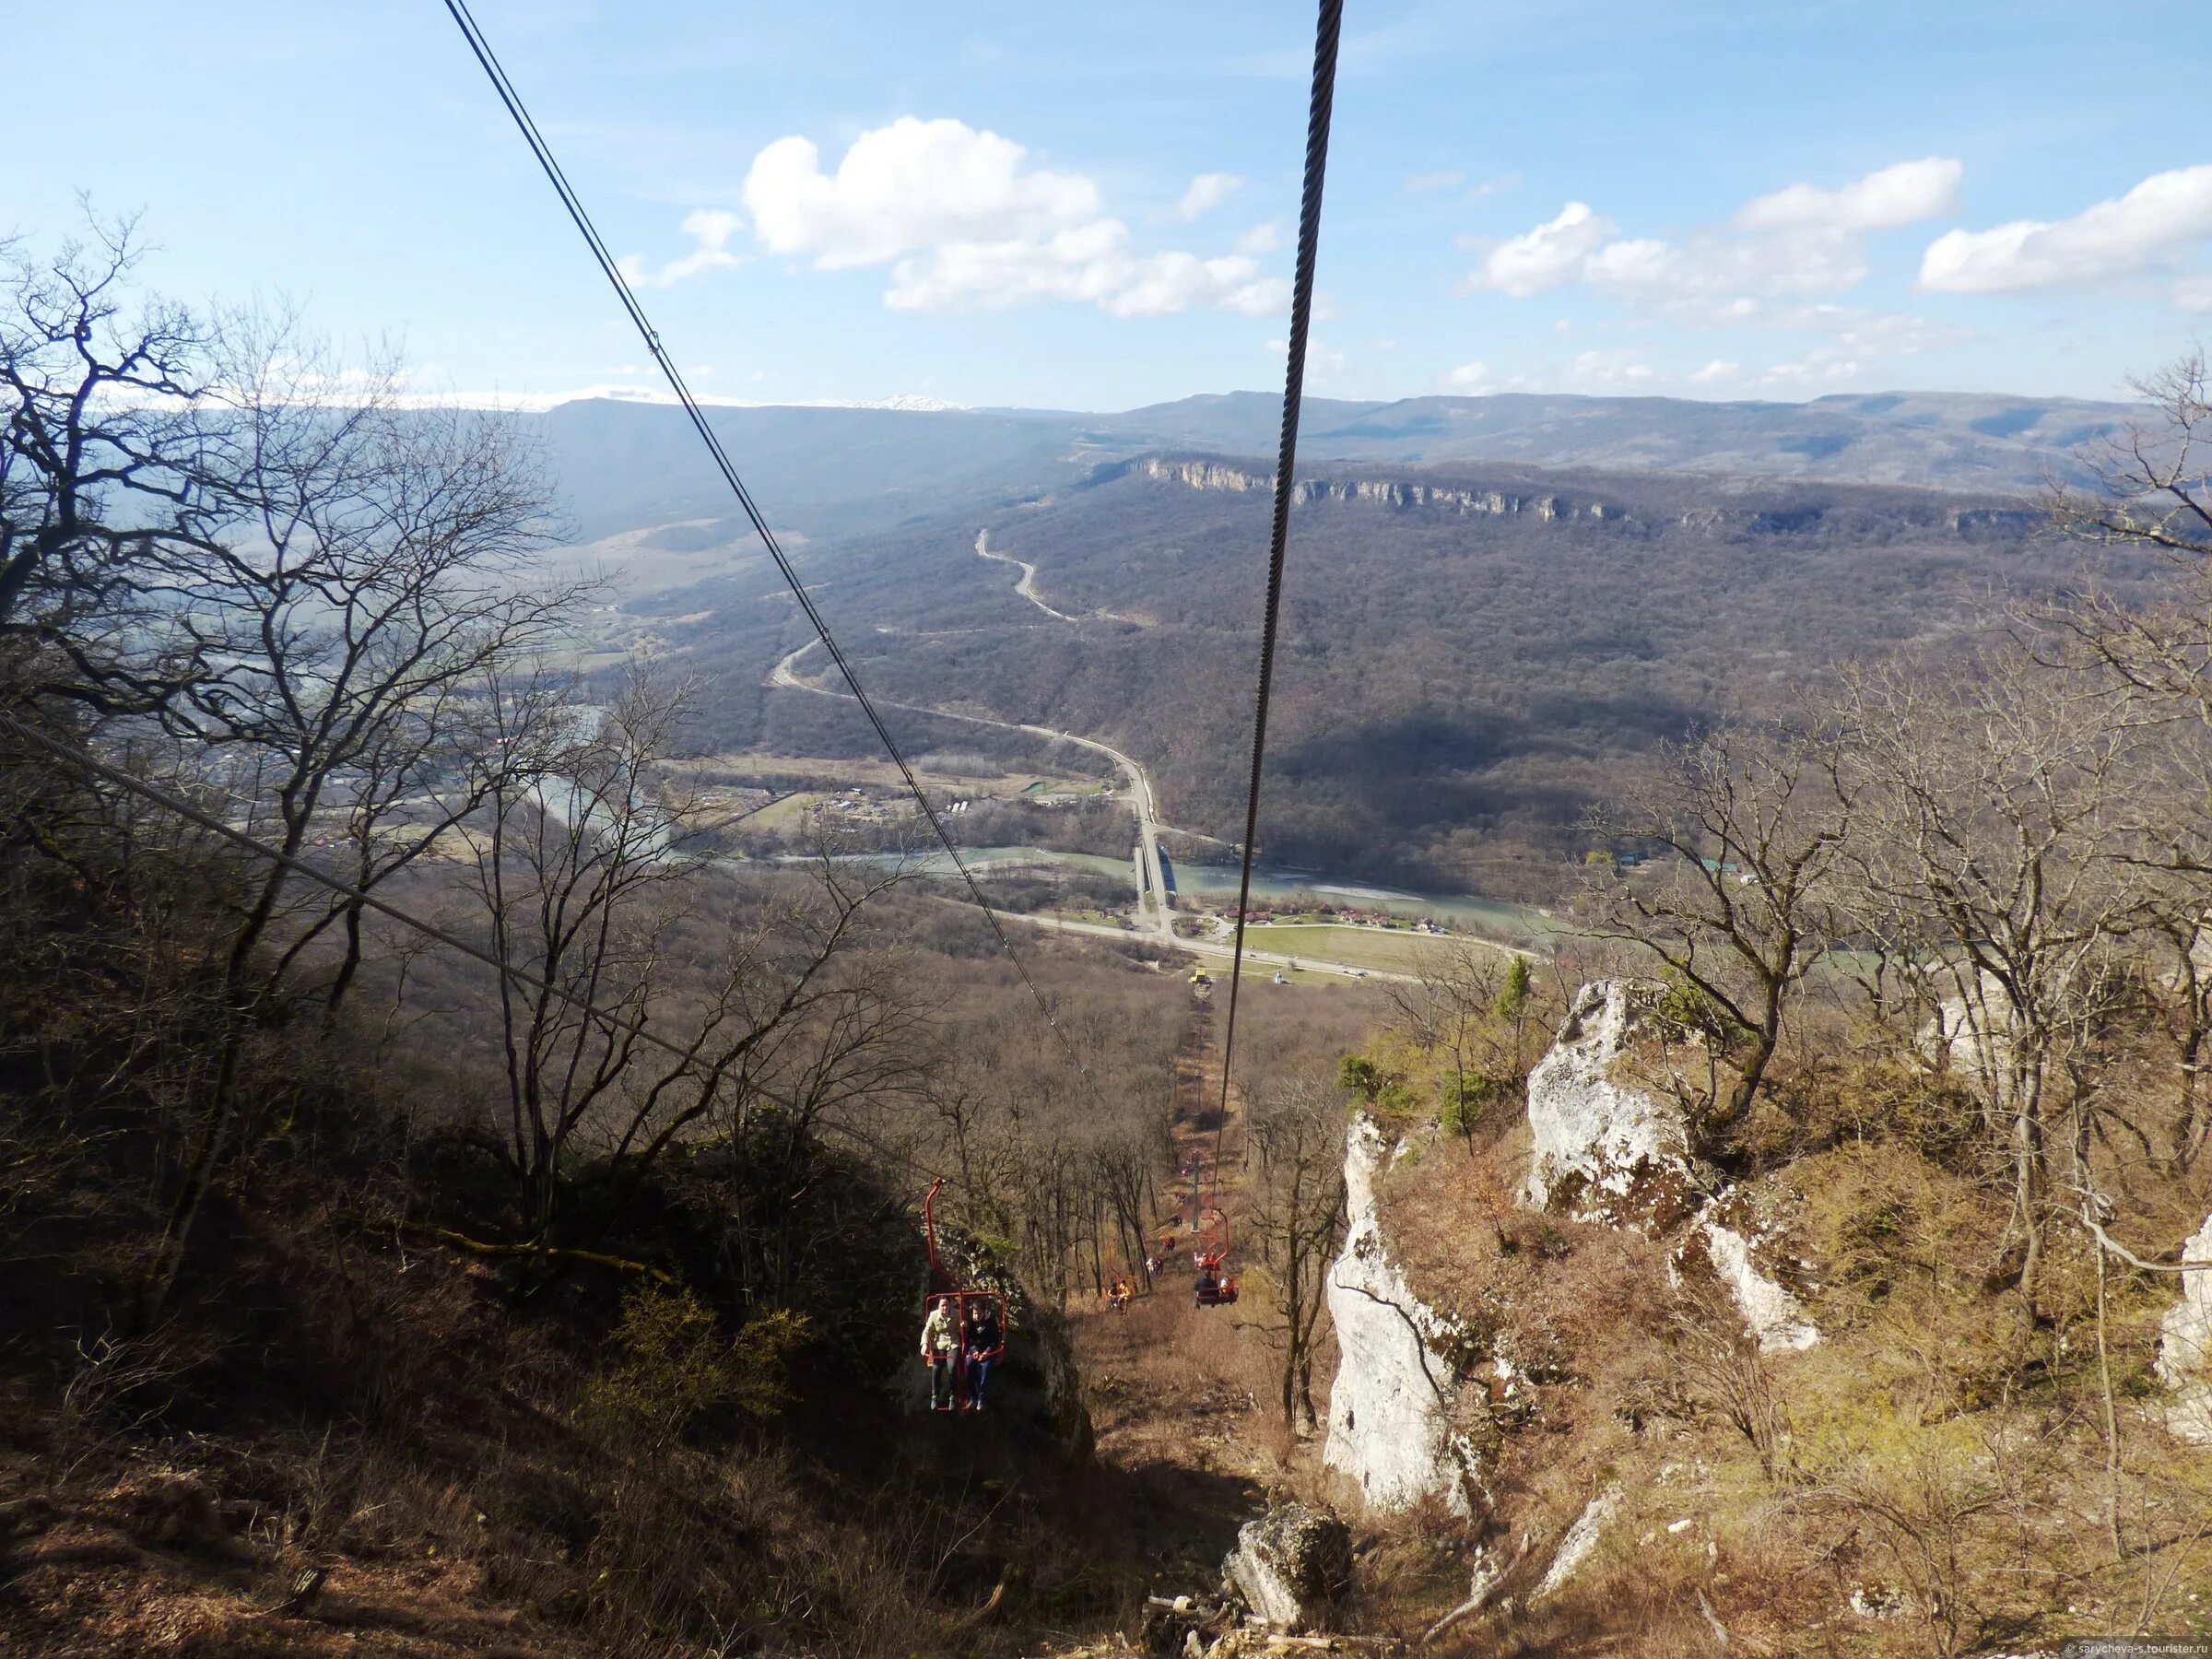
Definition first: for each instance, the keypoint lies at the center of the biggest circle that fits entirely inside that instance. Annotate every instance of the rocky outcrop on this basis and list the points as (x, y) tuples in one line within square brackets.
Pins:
[(1971, 1034), (2185, 1347), (1208, 475), (1390, 1408), (1291, 1566), (1772, 1313), (1606, 1147)]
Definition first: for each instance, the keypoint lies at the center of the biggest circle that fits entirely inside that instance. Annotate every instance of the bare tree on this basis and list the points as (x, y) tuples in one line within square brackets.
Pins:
[(2151, 492), (114, 477), (1991, 869), (2151, 486), (630, 1018), (375, 571), (1295, 1212), (1751, 819)]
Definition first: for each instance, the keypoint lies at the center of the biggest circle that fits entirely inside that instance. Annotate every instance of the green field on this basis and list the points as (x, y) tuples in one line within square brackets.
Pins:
[(1391, 951), (787, 814)]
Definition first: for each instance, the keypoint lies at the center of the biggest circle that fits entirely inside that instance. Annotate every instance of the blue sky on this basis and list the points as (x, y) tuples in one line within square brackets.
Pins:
[(1092, 207)]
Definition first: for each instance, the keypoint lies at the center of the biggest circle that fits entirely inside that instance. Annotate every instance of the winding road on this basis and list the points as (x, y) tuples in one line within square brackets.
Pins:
[(1153, 917), (1027, 586)]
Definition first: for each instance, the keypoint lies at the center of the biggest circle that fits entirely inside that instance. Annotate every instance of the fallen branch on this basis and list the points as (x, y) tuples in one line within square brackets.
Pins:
[(1712, 1621), (1476, 1601), (2133, 1260), (545, 1253)]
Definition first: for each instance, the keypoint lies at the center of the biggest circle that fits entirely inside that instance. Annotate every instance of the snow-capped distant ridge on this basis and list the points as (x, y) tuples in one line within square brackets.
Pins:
[(539, 403), (911, 403)]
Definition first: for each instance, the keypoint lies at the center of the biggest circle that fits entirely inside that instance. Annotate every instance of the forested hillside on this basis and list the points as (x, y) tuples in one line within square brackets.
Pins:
[(1459, 686), (446, 1205)]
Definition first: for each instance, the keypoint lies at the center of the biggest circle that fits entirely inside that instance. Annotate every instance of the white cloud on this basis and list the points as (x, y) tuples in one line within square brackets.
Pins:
[(1551, 253), (1446, 178), (1469, 379), (1496, 186), (1848, 340), (1883, 200), (1611, 369), (2109, 238), (1207, 191), (1089, 263), (911, 184), (1764, 267), (711, 229), (2194, 293), (1260, 238), (1869, 334), (963, 219), (1717, 372)]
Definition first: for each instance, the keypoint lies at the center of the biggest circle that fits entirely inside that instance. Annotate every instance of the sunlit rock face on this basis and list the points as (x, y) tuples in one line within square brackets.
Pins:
[(1390, 1407), (1606, 1149), (1738, 1256), (2185, 1346), (1608, 1146)]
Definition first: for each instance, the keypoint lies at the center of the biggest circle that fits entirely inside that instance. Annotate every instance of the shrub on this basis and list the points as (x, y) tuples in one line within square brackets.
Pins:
[(672, 1364)]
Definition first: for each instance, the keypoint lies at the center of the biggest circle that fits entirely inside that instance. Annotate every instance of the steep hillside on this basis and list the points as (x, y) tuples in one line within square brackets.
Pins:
[(1635, 1399)]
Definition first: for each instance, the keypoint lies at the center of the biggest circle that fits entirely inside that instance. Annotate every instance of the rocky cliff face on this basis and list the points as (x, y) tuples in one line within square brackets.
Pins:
[(1390, 1409), (1604, 1149), (1379, 493), (1407, 495)]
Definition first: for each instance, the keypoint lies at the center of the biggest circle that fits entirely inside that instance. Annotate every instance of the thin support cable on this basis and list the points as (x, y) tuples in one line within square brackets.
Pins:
[(481, 47)]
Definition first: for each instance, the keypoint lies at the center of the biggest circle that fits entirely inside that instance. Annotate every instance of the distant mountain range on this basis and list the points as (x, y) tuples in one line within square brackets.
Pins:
[(624, 464)]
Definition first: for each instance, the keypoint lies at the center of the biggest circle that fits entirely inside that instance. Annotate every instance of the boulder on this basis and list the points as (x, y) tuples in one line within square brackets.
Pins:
[(1969, 1034), (1606, 1149), (2185, 1347), (1291, 1566)]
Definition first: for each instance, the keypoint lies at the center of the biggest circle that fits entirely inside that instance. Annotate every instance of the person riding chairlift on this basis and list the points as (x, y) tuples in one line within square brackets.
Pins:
[(984, 1340), (941, 1351)]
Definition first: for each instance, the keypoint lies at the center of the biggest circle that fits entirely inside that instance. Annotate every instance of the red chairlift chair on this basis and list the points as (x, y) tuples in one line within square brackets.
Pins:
[(969, 1306)]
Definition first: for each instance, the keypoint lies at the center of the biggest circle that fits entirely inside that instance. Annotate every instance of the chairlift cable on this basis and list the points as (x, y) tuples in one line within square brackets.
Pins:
[(481, 47), (1301, 308)]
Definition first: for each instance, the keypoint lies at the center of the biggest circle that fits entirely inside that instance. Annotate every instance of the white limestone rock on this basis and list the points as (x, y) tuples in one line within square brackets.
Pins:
[(1580, 1539), (1390, 1407), (1605, 1150), (1776, 1318), (2185, 1347), (1291, 1566)]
